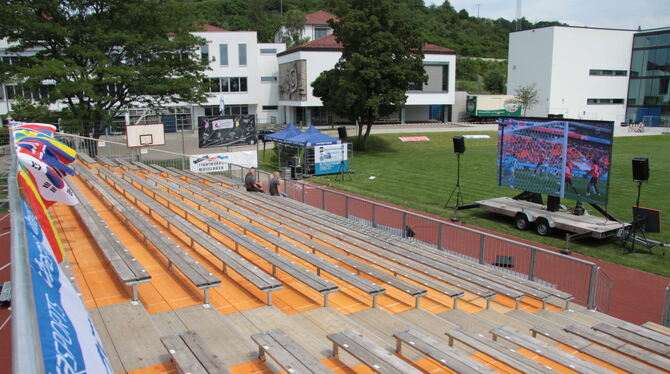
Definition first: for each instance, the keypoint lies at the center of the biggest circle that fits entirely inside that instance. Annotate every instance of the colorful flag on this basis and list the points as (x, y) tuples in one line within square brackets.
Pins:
[(38, 207), (48, 181)]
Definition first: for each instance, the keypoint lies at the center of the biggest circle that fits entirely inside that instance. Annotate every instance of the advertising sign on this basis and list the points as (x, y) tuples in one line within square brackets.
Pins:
[(330, 159), (213, 162), (221, 131), (566, 158)]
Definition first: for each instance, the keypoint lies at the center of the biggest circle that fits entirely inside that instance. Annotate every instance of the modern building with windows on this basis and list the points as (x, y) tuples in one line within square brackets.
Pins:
[(591, 73), (579, 72), (300, 66), (649, 82)]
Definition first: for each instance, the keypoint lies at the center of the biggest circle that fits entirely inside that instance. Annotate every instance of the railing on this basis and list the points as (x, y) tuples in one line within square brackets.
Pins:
[(603, 291), (26, 348)]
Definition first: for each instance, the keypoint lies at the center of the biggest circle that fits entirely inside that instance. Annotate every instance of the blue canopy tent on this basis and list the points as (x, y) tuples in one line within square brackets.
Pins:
[(280, 137), (324, 160)]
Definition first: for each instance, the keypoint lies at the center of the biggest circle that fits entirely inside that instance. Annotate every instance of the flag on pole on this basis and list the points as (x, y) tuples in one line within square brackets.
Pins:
[(222, 106)]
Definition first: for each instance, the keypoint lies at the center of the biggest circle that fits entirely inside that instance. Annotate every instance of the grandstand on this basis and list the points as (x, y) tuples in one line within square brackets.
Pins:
[(187, 272)]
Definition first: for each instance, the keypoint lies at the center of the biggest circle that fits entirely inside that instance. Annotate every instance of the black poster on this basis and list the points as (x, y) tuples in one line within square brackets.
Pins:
[(220, 131)]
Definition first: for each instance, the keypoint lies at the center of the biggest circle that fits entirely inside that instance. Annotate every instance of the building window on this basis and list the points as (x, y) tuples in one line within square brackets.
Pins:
[(603, 101), (223, 54), (268, 51), (204, 54), (320, 32), (270, 107), (608, 73), (226, 84), (415, 86), (445, 78), (242, 49), (212, 84), (230, 110), (268, 79), (211, 110)]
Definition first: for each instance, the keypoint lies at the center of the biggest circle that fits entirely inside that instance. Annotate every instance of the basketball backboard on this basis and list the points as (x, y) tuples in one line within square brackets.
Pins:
[(145, 135)]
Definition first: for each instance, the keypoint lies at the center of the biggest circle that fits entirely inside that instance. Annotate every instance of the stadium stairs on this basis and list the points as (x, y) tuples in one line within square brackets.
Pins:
[(273, 246)]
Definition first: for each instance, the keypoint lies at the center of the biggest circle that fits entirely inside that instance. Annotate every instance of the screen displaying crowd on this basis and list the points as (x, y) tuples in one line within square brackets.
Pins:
[(566, 158)]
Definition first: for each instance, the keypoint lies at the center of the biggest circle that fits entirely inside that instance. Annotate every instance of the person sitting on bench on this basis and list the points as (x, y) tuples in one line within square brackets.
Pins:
[(250, 182)]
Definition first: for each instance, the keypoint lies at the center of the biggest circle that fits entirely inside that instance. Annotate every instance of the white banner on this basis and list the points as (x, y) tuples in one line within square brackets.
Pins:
[(219, 161)]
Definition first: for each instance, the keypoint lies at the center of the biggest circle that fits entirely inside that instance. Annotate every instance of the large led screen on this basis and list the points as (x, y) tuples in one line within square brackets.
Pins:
[(564, 158)]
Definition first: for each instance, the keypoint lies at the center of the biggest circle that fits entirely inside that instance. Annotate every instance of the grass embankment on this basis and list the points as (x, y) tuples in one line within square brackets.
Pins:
[(421, 175)]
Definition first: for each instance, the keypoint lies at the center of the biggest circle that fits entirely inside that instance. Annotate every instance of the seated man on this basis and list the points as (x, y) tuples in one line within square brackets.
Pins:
[(250, 182)]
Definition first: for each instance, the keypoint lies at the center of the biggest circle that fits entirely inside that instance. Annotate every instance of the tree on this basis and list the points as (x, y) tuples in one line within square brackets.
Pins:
[(24, 110), (495, 82), (294, 24), (381, 55), (526, 96), (99, 57)]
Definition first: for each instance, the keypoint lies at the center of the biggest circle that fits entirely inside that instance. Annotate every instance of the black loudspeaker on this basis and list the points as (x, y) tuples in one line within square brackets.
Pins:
[(296, 172), (459, 144), (640, 169), (342, 133)]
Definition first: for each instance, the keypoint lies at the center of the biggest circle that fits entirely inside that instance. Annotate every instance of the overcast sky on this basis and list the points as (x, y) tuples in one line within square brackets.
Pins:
[(621, 14)]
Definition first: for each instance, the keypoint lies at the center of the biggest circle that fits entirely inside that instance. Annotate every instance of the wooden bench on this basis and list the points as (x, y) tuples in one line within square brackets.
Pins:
[(107, 161), (190, 354), (657, 327), (494, 350), (496, 280), (125, 164), (646, 333), (372, 355), (303, 275), (543, 349), (230, 259), (414, 261), (594, 350), (162, 170), (439, 351), (633, 338), (288, 354), (127, 268), (246, 209), (620, 346), (86, 158), (503, 283), (145, 167), (214, 178), (195, 272)]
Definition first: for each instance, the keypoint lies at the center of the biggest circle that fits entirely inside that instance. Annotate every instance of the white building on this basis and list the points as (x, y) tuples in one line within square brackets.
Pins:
[(300, 66), (242, 72), (578, 72), (316, 27)]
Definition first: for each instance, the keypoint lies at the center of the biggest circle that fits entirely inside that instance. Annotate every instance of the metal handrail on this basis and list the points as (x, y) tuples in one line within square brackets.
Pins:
[(26, 348), (666, 308)]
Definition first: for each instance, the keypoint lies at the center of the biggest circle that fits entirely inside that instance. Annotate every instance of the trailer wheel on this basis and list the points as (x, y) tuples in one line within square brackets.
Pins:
[(542, 227), (521, 222)]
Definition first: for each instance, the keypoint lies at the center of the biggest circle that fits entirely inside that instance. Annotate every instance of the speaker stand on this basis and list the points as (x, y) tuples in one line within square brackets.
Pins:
[(457, 190), (635, 227), (341, 173)]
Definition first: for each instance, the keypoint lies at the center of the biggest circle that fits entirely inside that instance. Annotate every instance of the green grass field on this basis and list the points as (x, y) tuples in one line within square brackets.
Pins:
[(421, 175)]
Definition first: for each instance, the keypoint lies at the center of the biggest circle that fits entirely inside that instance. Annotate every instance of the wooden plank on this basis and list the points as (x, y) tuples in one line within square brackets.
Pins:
[(646, 333), (545, 350), (125, 164), (620, 346), (656, 327), (633, 338), (183, 358), (375, 357), (132, 334), (440, 352), (509, 357), (211, 362), (107, 161), (288, 353), (593, 350), (145, 167), (86, 158)]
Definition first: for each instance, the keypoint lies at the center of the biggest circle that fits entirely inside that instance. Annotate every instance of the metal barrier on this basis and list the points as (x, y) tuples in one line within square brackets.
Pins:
[(666, 308), (26, 348)]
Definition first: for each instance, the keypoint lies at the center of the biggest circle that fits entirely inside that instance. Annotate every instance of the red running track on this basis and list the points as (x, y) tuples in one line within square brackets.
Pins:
[(5, 275)]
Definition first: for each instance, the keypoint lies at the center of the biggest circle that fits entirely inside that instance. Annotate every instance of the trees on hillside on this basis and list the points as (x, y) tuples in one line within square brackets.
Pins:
[(381, 56), (97, 57)]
